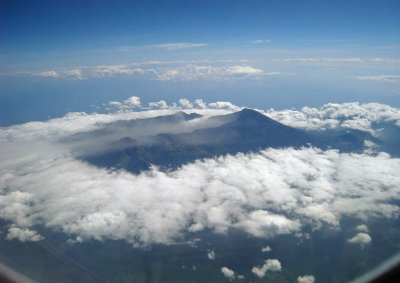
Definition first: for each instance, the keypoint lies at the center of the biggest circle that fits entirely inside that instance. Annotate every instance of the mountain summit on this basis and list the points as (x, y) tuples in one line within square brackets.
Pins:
[(243, 131)]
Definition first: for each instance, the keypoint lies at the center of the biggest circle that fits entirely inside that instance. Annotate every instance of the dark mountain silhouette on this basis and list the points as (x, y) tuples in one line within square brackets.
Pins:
[(244, 131)]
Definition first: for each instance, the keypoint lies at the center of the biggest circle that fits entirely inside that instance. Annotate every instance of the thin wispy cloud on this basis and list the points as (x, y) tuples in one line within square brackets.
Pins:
[(319, 60), (162, 71), (259, 41), (380, 78), (339, 60), (179, 45)]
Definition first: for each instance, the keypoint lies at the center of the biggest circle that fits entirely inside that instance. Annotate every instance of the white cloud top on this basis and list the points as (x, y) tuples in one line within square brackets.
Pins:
[(267, 193), (306, 279), (211, 254), (362, 228), (266, 249), (23, 235), (332, 115), (229, 273), (361, 239), (269, 265)]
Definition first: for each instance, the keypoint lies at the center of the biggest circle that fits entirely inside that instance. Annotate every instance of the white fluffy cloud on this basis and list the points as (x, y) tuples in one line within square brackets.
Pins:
[(159, 104), (306, 279), (23, 235), (132, 102), (185, 103), (269, 265), (362, 228), (266, 249), (361, 238), (270, 192), (332, 115), (229, 273), (211, 254)]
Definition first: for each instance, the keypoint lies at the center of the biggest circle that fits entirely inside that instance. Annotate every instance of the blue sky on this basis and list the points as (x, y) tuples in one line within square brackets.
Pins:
[(60, 56)]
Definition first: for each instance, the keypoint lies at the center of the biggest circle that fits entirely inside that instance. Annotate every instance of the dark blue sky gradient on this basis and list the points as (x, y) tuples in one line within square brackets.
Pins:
[(74, 25)]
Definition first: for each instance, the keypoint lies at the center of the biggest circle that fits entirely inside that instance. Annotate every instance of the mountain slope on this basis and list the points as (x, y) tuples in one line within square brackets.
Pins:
[(245, 131)]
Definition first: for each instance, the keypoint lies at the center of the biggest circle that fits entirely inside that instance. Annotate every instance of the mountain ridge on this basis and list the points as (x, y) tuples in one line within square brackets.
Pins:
[(248, 130)]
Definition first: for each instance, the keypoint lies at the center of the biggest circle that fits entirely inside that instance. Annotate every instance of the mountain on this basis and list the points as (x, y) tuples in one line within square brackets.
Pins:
[(243, 131), (135, 127)]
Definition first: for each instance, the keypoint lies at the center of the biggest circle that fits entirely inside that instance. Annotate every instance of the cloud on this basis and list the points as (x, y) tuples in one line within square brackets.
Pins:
[(132, 102), (205, 72), (362, 228), (223, 105), (43, 183), (110, 71), (262, 223), (159, 104), (306, 279), (23, 235), (211, 254), (240, 70), (162, 71), (380, 78), (258, 41), (266, 249), (342, 62), (129, 103), (200, 103), (331, 116), (323, 60), (361, 238), (269, 265), (52, 74), (176, 46), (185, 103), (75, 74), (229, 273)]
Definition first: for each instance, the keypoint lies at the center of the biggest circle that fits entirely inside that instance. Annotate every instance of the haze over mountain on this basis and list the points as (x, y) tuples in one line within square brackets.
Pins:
[(243, 131)]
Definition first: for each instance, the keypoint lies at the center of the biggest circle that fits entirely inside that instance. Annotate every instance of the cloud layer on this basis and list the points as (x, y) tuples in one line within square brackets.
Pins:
[(162, 71), (180, 45), (267, 193)]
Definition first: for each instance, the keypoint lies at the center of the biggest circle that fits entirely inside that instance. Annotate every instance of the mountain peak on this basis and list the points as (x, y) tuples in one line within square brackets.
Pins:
[(250, 116), (179, 116), (248, 111)]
